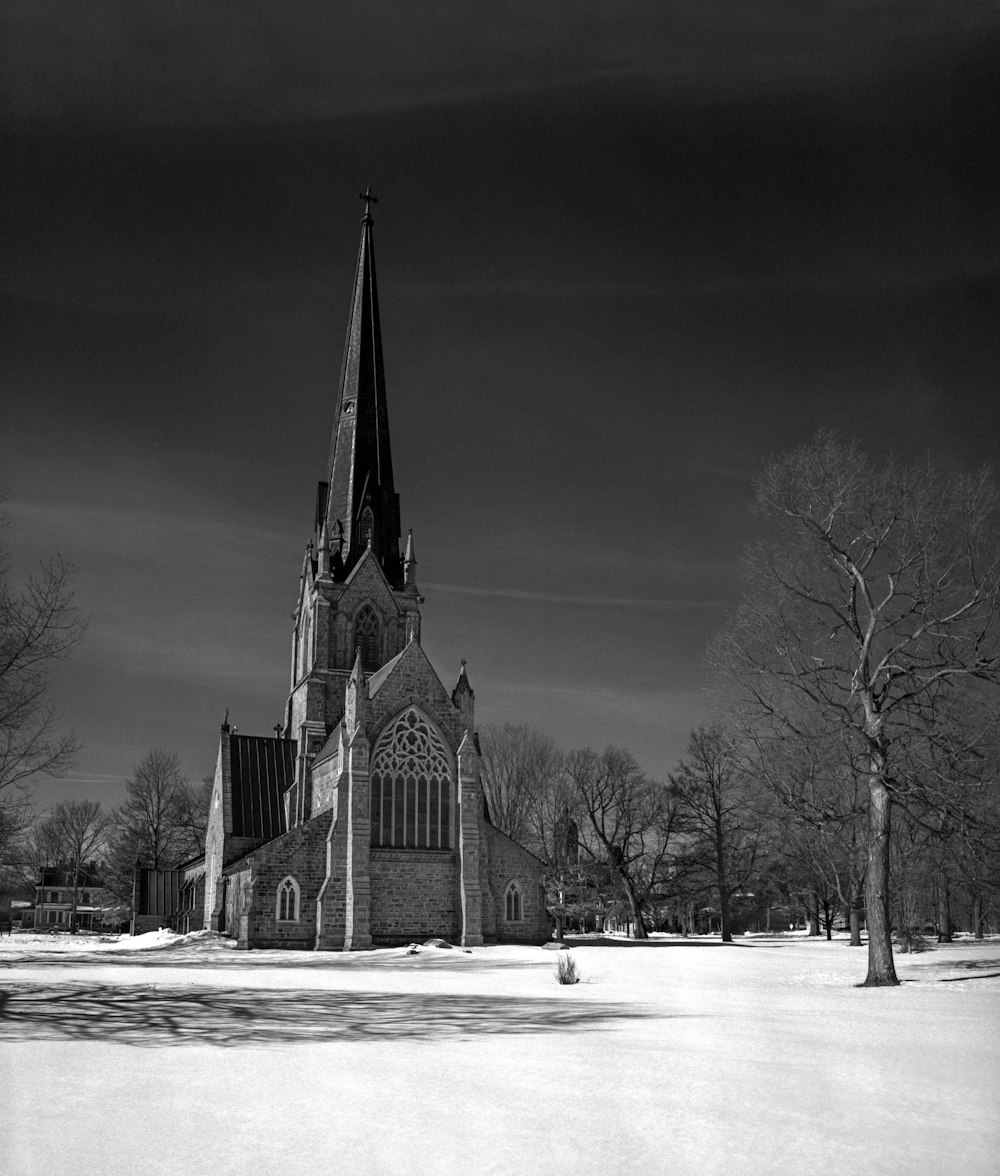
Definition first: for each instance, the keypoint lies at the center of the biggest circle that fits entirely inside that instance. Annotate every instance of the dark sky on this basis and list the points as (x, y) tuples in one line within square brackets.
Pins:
[(625, 252)]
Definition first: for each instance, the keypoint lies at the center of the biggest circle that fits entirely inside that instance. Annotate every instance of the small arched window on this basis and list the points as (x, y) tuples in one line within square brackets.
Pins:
[(512, 904), (287, 906), (366, 637)]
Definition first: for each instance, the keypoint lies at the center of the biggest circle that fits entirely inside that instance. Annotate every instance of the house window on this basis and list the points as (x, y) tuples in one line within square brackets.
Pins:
[(366, 637), (85, 898), (287, 907), (53, 896), (512, 903), (411, 779)]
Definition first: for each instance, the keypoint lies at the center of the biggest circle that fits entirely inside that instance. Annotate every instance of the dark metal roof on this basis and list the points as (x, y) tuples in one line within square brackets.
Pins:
[(157, 891), (263, 767)]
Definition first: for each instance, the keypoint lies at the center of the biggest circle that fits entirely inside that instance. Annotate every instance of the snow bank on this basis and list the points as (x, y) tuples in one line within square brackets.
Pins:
[(65, 944)]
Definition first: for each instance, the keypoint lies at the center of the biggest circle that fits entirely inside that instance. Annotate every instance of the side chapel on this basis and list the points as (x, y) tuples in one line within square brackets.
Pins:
[(362, 821)]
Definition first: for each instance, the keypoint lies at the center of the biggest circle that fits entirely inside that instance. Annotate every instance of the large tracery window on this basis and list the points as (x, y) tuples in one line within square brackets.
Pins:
[(411, 785), (366, 634)]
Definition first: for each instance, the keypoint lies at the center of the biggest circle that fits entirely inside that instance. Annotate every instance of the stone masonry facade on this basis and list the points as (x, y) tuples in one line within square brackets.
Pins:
[(362, 821)]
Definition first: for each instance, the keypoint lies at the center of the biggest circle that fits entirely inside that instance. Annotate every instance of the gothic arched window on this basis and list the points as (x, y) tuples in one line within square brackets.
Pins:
[(512, 903), (305, 647), (411, 776), (287, 905), (367, 526), (366, 637)]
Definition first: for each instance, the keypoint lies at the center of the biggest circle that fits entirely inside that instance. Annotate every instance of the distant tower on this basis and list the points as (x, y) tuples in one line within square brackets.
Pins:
[(357, 503), (567, 840), (355, 594)]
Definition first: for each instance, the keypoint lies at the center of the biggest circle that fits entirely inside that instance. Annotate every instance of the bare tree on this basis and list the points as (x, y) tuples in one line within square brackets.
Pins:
[(75, 835), (723, 829), (193, 809), (872, 600), (523, 782), (39, 625), (630, 823), (821, 808), (36, 850), (159, 821)]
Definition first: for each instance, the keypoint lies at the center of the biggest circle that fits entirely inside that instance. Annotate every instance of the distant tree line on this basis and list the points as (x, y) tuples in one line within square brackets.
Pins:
[(854, 774), (160, 824)]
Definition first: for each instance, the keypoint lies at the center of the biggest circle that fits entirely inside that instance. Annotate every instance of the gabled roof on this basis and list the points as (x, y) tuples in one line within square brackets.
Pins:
[(413, 653), (380, 675), (262, 767), (330, 747)]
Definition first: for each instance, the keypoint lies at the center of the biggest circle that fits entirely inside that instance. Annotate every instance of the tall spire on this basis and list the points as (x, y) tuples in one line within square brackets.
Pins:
[(360, 494)]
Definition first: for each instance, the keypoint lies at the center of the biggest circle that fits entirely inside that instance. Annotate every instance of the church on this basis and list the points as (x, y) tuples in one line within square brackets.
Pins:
[(362, 820)]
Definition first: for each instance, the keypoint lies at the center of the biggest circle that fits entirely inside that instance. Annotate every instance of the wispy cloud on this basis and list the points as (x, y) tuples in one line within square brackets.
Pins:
[(541, 597)]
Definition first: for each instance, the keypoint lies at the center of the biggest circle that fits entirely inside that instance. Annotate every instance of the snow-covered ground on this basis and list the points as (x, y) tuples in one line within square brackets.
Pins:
[(174, 1055)]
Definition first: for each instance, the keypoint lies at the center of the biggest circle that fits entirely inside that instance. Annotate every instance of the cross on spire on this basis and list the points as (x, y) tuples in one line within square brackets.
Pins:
[(369, 197)]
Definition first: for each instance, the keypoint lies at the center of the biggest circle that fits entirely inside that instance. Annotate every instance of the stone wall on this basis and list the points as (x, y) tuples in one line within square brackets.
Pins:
[(414, 682), (300, 854), (414, 895), (509, 862)]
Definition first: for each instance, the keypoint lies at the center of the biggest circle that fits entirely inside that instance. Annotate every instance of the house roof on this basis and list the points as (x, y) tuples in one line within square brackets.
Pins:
[(86, 876), (262, 767)]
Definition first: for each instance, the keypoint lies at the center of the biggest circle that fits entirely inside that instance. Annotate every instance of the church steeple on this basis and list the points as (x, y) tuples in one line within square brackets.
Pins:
[(359, 494)]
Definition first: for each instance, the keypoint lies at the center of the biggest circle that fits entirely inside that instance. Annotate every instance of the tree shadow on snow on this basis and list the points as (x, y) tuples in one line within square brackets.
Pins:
[(977, 966), (154, 1016), (190, 956)]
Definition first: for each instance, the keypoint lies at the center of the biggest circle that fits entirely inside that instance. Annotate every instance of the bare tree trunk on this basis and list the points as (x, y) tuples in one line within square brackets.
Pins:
[(633, 902), (725, 919), (881, 968), (857, 905), (943, 908), (977, 915), (725, 925), (812, 913), (855, 925)]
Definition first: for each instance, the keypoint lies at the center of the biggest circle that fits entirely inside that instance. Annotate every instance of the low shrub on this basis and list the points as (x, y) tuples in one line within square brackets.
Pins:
[(566, 969), (910, 939)]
